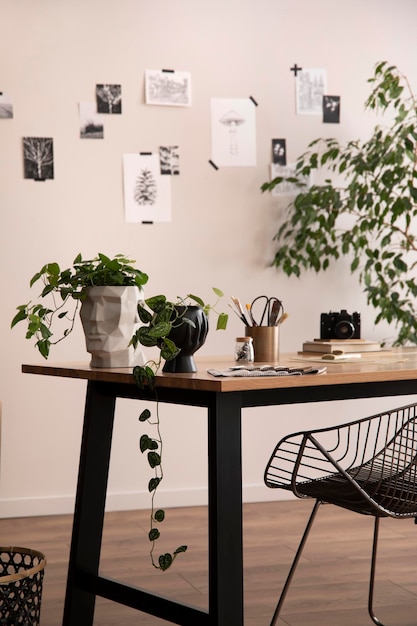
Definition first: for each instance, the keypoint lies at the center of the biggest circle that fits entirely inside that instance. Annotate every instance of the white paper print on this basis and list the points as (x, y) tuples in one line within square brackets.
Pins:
[(168, 88), (6, 106), (91, 122), (310, 85), (147, 194), (233, 131), (287, 188)]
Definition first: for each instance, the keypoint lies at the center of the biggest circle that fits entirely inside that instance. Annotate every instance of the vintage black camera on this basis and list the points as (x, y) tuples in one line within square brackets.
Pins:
[(340, 325)]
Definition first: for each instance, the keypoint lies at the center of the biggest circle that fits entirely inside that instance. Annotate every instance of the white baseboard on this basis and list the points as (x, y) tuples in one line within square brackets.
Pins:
[(128, 501)]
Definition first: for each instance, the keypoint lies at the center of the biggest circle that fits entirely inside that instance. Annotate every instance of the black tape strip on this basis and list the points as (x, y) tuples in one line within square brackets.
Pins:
[(146, 222), (213, 164), (253, 100), (169, 71), (145, 153)]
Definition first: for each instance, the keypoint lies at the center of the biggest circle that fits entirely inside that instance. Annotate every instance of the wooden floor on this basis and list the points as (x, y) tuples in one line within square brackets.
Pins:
[(329, 589)]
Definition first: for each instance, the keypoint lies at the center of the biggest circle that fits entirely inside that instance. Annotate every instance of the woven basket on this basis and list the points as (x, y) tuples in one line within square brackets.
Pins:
[(21, 577)]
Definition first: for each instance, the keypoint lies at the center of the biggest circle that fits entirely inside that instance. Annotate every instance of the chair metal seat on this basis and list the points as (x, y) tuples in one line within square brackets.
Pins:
[(368, 466)]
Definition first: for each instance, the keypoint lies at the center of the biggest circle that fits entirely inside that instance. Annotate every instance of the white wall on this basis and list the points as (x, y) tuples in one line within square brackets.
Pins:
[(52, 54)]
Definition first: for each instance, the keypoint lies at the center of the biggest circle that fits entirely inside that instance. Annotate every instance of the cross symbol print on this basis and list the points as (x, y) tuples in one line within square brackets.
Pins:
[(296, 69)]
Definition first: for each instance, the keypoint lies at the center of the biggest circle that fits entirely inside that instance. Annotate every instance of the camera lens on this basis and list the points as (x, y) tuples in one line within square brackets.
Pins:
[(344, 330)]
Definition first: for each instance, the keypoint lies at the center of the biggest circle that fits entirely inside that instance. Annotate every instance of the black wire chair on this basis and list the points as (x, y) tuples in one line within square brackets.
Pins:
[(368, 466)]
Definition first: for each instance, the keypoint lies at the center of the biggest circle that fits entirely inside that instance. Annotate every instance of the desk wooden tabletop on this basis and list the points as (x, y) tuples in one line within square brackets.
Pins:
[(371, 367)]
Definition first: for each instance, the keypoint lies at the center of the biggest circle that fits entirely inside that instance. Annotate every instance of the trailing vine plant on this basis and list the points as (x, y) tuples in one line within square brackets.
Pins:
[(369, 212), (159, 316)]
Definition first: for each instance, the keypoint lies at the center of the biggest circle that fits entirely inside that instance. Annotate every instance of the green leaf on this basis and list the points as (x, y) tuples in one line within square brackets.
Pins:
[(159, 515), (154, 459), (181, 549), (19, 317), (154, 534), (145, 415), (222, 321), (153, 484), (165, 561), (147, 443)]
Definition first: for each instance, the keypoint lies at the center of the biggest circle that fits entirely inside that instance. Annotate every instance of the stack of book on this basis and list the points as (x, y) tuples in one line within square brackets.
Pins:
[(340, 346)]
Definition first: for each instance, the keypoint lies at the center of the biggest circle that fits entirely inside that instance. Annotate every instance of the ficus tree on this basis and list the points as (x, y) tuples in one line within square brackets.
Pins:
[(366, 207)]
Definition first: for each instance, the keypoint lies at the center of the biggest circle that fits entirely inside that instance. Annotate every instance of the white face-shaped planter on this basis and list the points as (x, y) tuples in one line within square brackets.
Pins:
[(109, 317)]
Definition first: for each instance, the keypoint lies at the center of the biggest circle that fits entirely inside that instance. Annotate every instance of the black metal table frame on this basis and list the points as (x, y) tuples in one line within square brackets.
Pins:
[(225, 606)]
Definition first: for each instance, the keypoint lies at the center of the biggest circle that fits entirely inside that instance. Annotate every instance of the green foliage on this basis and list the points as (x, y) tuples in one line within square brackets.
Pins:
[(370, 216), (65, 289), (151, 445), (159, 316)]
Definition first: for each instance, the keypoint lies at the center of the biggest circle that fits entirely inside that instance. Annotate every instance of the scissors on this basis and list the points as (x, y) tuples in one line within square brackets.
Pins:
[(271, 308)]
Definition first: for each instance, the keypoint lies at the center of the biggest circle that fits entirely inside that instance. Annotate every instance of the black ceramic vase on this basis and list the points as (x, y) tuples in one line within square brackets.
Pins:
[(188, 338)]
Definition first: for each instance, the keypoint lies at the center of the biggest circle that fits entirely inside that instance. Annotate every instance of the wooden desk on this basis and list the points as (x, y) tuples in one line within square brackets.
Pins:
[(224, 398)]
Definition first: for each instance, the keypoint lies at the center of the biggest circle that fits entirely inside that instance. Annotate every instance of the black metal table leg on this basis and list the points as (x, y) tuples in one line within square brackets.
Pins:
[(90, 503), (225, 511)]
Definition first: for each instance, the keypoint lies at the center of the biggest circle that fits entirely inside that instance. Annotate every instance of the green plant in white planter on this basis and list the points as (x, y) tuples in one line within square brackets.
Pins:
[(65, 290), (369, 216)]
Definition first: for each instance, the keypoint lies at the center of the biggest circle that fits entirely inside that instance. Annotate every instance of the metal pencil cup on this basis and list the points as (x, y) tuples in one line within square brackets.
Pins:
[(265, 342)]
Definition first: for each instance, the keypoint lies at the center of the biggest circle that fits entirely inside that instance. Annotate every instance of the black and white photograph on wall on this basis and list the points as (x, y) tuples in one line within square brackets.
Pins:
[(91, 122), (310, 87), (331, 109), (6, 107), (279, 151), (147, 194), (168, 88), (169, 159), (38, 158), (109, 99)]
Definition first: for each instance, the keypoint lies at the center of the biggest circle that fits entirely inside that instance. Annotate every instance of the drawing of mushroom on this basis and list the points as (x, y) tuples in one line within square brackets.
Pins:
[(232, 120)]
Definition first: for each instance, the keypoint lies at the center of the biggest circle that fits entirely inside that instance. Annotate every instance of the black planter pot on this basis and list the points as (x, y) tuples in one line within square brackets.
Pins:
[(188, 338)]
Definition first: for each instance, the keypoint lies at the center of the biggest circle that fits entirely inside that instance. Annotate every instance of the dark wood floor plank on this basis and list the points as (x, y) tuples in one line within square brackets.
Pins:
[(330, 586)]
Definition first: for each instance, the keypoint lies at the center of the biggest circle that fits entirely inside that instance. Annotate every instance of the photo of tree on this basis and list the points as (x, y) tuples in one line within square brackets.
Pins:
[(109, 99), (38, 158)]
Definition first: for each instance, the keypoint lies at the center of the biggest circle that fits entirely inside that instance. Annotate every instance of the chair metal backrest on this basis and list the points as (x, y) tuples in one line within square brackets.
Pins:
[(373, 459)]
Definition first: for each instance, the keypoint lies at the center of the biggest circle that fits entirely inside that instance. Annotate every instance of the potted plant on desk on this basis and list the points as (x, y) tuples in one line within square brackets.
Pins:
[(105, 290), (176, 330)]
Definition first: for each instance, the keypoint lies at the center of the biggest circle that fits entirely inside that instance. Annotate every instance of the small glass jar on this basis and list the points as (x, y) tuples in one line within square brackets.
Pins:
[(244, 350)]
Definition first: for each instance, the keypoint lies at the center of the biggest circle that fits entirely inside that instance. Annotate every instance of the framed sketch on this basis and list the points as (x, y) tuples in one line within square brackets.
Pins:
[(310, 85), (233, 131), (147, 193), (38, 158), (168, 88)]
